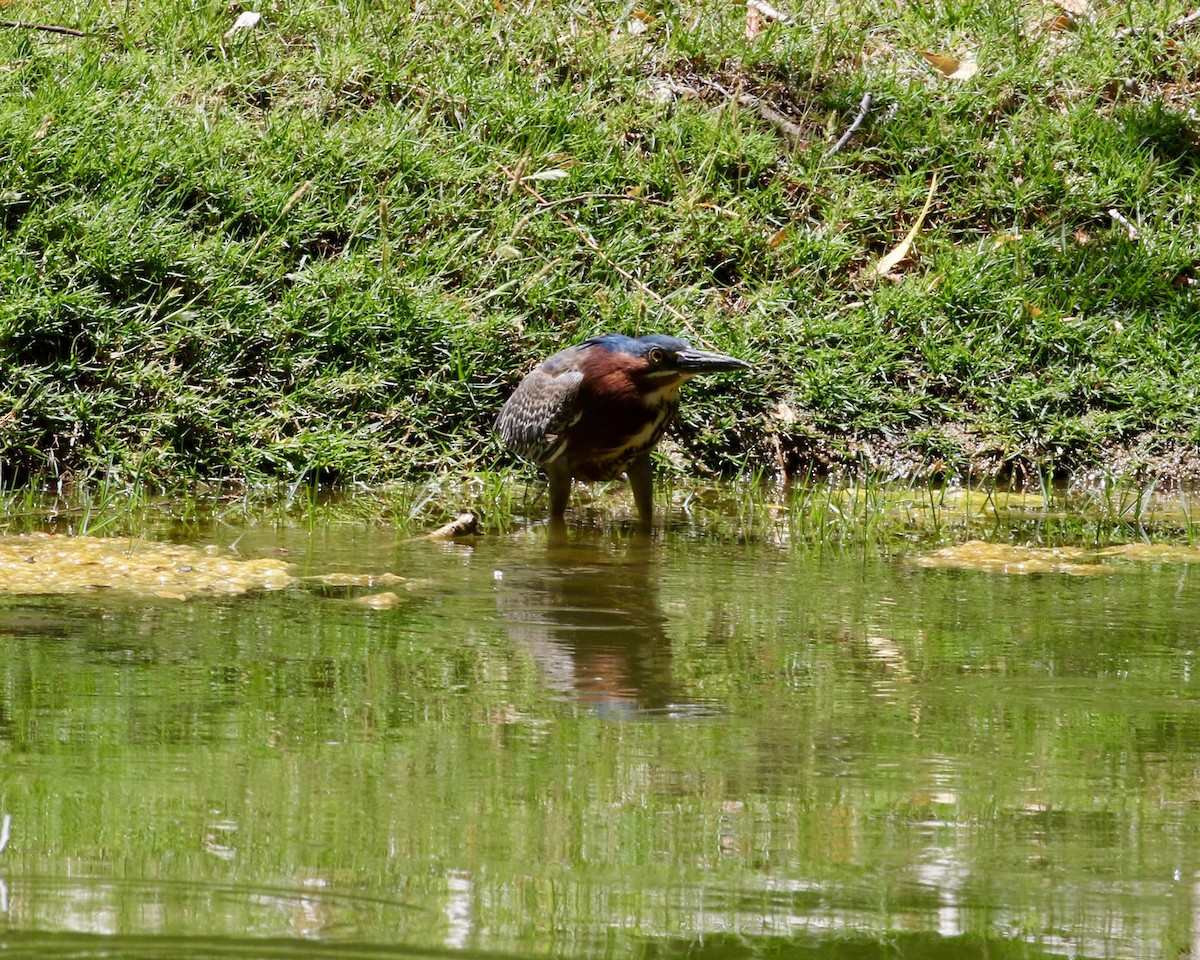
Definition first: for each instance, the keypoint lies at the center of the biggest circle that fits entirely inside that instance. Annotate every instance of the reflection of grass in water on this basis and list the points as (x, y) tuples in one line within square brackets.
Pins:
[(925, 512), (102, 506), (815, 512)]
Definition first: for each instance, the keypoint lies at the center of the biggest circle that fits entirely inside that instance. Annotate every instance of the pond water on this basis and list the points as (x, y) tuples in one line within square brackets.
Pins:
[(609, 746)]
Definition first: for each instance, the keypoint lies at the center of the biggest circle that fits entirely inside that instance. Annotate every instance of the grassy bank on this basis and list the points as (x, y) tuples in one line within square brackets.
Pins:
[(328, 246), (853, 512)]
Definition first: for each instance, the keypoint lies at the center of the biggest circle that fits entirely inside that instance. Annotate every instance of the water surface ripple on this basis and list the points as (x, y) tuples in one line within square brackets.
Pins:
[(608, 745)]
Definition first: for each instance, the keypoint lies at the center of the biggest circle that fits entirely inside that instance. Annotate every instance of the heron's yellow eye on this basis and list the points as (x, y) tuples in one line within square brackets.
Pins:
[(655, 356)]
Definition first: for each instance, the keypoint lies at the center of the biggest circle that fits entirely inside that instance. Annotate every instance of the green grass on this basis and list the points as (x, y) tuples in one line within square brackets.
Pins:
[(854, 510), (311, 253)]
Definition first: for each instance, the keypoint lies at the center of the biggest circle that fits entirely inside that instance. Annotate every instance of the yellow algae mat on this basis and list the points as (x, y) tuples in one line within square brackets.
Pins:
[(54, 563), (1080, 561)]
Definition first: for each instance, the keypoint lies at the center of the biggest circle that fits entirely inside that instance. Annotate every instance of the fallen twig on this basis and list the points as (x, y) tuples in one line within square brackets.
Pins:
[(785, 126), (463, 527), (770, 12), (1185, 21), (630, 197), (580, 197), (863, 109), (1173, 27), (47, 28), (1124, 221)]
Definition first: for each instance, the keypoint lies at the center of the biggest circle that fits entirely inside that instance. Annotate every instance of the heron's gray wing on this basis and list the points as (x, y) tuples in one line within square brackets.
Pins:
[(542, 407)]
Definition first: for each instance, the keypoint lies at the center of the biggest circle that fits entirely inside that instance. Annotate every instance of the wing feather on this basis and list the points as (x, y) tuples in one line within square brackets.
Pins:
[(543, 406)]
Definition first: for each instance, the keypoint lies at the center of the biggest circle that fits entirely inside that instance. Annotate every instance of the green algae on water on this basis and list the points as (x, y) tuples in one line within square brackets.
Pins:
[(47, 563)]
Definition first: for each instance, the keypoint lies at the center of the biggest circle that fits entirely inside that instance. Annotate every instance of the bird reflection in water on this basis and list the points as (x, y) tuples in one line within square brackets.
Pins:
[(588, 614)]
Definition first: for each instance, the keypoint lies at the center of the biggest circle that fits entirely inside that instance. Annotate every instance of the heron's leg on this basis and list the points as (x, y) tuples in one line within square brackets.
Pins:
[(557, 533), (559, 475), (641, 482)]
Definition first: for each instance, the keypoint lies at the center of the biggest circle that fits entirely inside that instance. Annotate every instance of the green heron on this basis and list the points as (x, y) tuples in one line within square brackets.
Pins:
[(595, 410)]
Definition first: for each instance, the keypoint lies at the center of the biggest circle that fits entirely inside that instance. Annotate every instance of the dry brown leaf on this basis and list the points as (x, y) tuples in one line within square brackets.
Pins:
[(780, 235), (1057, 23), (639, 22), (1032, 310), (951, 68), (1004, 239), (555, 174), (1082, 238), (297, 195), (754, 22), (784, 413), (247, 20), (900, 251)]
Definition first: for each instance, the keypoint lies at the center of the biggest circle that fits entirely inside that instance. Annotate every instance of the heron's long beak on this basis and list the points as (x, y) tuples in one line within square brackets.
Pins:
[(701, 361)]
